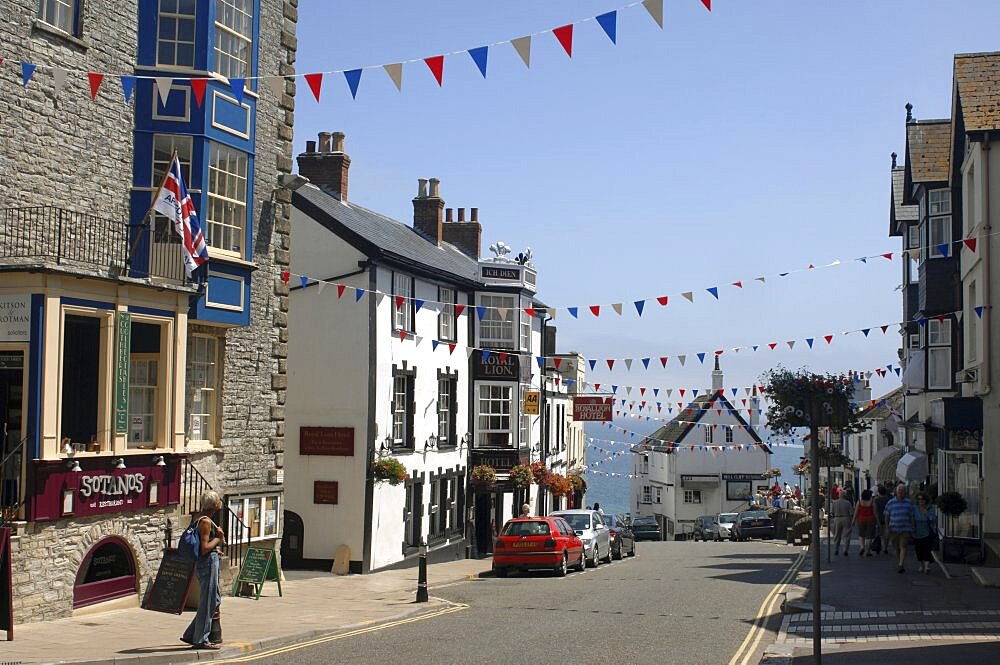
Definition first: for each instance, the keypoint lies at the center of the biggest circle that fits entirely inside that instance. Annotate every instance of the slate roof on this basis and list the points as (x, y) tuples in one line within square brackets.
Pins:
[(379, 236), (977, 88), (901, 212), (675, 430), (928, 148)]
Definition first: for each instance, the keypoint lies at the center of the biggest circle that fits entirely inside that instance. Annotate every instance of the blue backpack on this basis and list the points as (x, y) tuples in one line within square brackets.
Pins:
[(189, 545)]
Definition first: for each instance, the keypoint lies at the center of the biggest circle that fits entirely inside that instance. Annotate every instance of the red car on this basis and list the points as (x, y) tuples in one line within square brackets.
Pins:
[(537, 542)]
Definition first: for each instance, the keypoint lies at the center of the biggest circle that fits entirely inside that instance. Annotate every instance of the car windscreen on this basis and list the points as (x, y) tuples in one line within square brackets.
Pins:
[(532, 528), (644, 521), (727, 518), (578, 521)]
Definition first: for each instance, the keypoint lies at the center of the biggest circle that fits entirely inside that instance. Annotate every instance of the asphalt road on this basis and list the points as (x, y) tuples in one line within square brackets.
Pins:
[(676, 602)]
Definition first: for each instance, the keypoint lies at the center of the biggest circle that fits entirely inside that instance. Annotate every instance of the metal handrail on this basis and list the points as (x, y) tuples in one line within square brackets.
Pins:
[(193, 484)]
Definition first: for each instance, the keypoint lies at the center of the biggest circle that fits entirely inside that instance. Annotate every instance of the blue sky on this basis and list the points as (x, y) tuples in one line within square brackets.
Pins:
[(730, 145)]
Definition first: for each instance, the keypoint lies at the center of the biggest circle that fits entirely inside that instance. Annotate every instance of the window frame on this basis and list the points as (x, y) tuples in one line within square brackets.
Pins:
[(405, 427), (940, 207), (177, 17), (212, 367), (404, 315), (105, 374), (709, 436), (76, 7), (450, 439), (227, 199), (729, 434), (972, 324), (222, 30), (483, 434), (166, 375), (939, 225), (647, 494), (691, 495), (492, 319), (244, 510), (447, 321)]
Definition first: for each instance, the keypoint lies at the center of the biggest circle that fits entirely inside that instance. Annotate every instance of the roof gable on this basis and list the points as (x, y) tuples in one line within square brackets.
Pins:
[(976, 81), (898, 211), (928, 153), (681, 425)]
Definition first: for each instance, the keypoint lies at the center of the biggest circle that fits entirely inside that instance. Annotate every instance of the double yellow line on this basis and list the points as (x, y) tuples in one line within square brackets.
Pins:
[(457, 607), (757, 630)]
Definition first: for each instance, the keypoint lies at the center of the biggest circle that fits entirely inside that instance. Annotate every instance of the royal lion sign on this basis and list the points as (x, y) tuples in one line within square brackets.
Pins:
[(592, 409)]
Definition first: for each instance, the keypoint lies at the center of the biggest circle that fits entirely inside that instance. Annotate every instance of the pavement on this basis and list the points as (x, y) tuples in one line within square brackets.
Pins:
[(872, 614), (314, 604)]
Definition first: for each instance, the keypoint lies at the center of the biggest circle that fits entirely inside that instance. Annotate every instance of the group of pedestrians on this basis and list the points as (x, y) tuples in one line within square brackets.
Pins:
[(882, 521)]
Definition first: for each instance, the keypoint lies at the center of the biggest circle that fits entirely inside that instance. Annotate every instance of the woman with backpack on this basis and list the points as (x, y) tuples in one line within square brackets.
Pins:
[(210, 537)]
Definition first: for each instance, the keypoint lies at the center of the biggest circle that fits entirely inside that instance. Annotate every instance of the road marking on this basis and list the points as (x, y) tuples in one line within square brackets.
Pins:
[(756, 632), (457, 607)]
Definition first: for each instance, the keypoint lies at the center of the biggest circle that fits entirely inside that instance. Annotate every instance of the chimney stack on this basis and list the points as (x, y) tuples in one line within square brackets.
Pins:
[(427, 210), (327, 168), (465, 235)]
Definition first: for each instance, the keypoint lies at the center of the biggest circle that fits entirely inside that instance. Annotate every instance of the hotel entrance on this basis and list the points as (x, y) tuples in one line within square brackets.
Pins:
[(12, 431)]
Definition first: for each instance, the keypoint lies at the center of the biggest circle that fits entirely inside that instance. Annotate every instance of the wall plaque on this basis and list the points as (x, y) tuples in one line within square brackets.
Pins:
[(15, 317), (325, 491), (326, 441)]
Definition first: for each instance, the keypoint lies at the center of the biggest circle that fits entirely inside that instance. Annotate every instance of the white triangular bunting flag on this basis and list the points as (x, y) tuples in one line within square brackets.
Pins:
[(418, 339), (395, 72), (628, 365), (379, 297), (958, 316), (276, 84), (468, 351), (163, 84), (59, 78), (617, 306), (523, 47), (762, 280), (655, 9), (628, 390), (689, 295), (682, 359), (791, 344), (320, 284), (502, 311)]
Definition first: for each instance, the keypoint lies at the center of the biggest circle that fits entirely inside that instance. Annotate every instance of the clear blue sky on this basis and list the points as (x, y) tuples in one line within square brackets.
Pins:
[(730, 145)]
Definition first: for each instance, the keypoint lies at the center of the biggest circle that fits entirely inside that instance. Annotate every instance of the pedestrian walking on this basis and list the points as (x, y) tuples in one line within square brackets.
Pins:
[(880, 501), (864, 517), (525, 510), (899, 517), (841, 513), (207, 569), (924, 531), (598, 508)]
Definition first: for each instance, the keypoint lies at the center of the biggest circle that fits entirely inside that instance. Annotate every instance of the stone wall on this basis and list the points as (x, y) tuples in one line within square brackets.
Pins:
[(48, 557)]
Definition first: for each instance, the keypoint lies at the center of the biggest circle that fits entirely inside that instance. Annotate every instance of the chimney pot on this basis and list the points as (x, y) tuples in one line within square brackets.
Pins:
[(435, 188), (421, 188), (324, 141), (474, 212), (447, 215), (461, 214), (338, 142), (324, 168), (310, 146)]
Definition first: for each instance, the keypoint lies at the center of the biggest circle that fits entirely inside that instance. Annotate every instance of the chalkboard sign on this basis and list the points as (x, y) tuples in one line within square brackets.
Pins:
[(170, 588), (260, 564)]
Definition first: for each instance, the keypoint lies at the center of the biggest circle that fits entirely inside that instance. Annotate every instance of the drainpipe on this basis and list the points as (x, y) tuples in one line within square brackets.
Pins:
[(987, 236)]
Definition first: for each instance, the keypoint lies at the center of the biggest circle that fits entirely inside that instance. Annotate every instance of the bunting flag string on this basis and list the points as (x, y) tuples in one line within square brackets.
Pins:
[(522, 45), (639, 306)]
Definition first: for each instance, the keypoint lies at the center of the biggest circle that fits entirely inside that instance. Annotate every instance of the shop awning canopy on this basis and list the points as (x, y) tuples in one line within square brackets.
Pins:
[(884, 464), (912, 467), (695, 482)]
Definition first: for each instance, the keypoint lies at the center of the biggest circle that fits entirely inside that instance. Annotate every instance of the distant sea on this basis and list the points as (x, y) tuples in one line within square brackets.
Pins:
[(614, 493)]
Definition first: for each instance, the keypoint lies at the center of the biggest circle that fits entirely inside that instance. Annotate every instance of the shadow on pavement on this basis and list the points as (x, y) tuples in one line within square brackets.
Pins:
[(913, 653)]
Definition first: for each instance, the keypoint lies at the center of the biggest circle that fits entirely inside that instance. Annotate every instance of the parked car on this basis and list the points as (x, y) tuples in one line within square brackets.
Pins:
[(752, 524), (622, 537), (647, 528), (596, 537), (706, 527), (724, 525), (527, 543)]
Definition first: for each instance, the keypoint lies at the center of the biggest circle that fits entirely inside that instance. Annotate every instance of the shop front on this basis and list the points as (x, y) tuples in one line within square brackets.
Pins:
[(959, 469)]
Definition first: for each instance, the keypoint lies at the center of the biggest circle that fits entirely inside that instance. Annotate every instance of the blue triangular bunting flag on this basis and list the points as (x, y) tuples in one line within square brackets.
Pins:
[(609, 23), (809, 341), (734, 391), (592, 362), (922, 322), (714, 290), (358, 294), (572, 312), (695, 393), (614, 390), (353, 77), (303, 280), (656, 393), (239, 87), (417, 304), (782, 274), (866, 331), (128, 85), (645, 363), (897, 371), (943, 249), (434, 344), (979, 311), (485, 354), (541, 361), (479, 56), (863, 259), (480, 312), (639, 304), (27, 69), (701, 357)]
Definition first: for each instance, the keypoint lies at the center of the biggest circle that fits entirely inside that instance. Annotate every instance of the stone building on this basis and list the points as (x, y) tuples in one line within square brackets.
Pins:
[(127, 387)]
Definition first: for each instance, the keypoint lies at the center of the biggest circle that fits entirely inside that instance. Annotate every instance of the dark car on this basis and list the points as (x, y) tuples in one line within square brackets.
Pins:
[(646, 528), (622, 537), (706, 527), (752, 524)]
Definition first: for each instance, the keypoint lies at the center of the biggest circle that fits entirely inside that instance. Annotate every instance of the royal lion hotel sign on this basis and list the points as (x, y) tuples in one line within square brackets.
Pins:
[(15, 317)]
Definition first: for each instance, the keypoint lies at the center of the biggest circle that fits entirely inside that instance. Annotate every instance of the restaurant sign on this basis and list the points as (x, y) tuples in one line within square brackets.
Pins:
[(742, 476), (592, 409), (122, 355), (495, 366)]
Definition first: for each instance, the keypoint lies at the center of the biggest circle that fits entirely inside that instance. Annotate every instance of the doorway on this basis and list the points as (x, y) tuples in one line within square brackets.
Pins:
[(12, 422), (484, 523)]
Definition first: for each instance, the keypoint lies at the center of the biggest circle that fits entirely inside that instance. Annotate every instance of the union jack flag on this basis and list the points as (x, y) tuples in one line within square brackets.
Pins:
[(173, 202)]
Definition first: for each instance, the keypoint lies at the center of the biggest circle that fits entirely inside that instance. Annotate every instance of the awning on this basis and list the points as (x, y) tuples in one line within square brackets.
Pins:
[(696, 482), (884, 463), (912, 467)]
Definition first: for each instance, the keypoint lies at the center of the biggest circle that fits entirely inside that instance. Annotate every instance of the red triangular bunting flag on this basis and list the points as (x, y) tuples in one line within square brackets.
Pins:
[(557, 362), (595, 310), (597, 386), (198, 88), (772, 345), (315, 82), (611, 363), (285, 275), (884, 328), (887, 255), (663, 300), (451, 348), (399, 301), (940, 318), (459, 309), (402, 335), (738, 285), (503, 358), (530, 311), (828, 338), (340, 290), (708, 4), (663, 360), (970, 243), (436, 65), (565, 37), (95, 83)]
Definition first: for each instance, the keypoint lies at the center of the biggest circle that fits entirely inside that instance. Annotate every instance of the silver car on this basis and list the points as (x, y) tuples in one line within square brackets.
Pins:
[(726, 521), (592, 531)]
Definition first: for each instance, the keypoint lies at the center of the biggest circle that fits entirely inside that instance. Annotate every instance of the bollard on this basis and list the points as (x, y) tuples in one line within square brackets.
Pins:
[(422, 575)]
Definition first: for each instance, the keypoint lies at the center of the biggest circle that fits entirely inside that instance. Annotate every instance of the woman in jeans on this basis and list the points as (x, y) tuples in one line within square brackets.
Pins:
[(207, 568), (925, 520), (864, 517)]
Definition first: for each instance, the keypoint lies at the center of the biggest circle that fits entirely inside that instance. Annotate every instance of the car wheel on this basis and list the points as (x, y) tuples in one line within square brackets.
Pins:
[(631, 552), (500, 572), (732, 537), (564, 566), (610, 556), (582, 563), (617, 554), (595, 561)]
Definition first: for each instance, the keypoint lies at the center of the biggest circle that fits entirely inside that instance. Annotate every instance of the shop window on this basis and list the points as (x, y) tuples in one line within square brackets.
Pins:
[(259, 514), (692, 496), (146, 387), (202, 388), (84, 421), (106, 573), (961, 474)]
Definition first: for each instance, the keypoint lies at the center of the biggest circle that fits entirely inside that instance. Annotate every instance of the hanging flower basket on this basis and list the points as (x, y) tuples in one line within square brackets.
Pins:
[(804, 399), (578, 483), (539, 471), (389, 470), (558, 484), (521, 475), (772, 473), (484, 474)]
